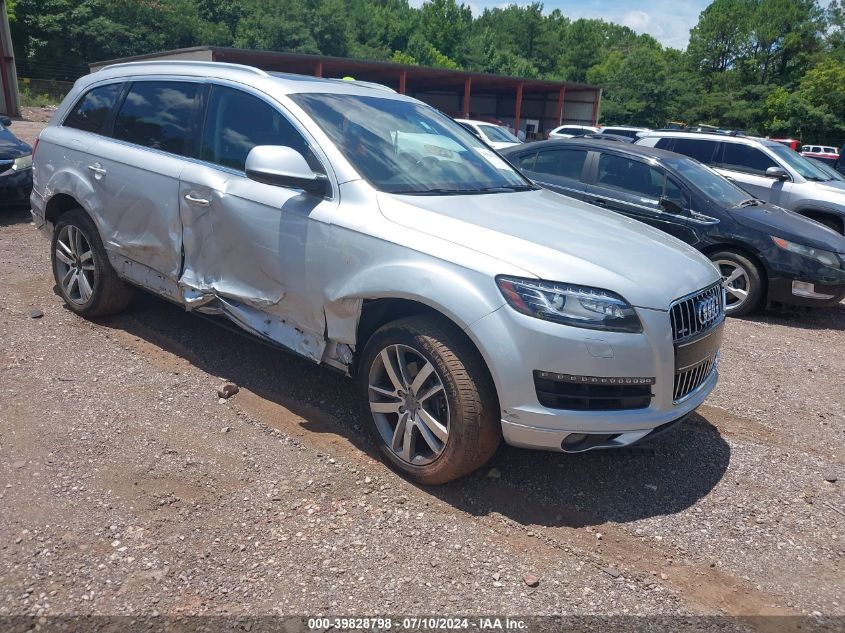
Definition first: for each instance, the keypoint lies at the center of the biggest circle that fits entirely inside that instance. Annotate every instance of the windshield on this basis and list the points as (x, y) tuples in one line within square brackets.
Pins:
[(715, 186), (406, 147), (797, 162), (498, 134)]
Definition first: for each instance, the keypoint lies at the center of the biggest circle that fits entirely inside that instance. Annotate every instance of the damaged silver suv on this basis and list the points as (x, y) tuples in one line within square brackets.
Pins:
[(364, 230)]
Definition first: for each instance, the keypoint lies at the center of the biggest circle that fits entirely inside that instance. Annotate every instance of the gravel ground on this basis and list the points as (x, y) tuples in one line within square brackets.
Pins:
[(127, 488)]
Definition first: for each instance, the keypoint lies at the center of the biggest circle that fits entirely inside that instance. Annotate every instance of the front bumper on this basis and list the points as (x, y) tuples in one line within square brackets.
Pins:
[(15, 187), (515, 345), (818, 280)]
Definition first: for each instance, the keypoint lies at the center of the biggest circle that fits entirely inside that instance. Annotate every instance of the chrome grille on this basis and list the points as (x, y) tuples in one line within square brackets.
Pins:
[(697, 313), (689, 380)]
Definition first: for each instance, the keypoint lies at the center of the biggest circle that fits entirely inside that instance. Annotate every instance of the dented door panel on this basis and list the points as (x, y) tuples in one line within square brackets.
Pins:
[(249, 253)]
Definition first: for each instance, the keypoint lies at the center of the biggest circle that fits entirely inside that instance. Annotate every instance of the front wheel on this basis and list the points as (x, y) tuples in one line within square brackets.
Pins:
[(428, 400), (743, 282)]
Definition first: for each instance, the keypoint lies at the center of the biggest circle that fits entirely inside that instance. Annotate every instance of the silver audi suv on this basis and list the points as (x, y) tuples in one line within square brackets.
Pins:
[(366, 231)]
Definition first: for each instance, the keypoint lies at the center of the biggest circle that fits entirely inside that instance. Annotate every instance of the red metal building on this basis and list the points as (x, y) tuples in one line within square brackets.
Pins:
[(532, 105)]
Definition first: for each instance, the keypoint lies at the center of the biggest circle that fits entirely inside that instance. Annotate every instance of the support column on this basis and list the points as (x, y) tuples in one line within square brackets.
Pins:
[(518, 109), (560, 100), (596, 107), (467, 91), (318, 69), (403, 77)]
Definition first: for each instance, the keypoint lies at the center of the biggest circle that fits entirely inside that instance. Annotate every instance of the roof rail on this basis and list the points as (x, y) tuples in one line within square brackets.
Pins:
[(698, 131), (187, 62)]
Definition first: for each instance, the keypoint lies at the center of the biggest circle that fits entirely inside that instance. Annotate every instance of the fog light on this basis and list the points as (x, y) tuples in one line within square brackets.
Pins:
[(807, 290)]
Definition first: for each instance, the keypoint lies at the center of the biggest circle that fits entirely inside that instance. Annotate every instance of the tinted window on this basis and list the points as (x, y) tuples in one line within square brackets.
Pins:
[(699, 149), (631, 176), (156, 114), (746, 158), (236, 122), (664, 143), (577, 131), (526, 161), (566, 163), (93, 109)]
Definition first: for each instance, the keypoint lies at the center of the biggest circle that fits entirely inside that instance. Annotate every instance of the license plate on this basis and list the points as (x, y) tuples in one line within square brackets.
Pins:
[(691, 354)]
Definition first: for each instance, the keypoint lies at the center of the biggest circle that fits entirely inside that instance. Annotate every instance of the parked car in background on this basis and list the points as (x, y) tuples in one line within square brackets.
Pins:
[(767, 255), (365, 230), (608, 137), (495, 136), (766, 169), (823, 153), (568, 131), (791, 143), (619, 130), (15, 168)]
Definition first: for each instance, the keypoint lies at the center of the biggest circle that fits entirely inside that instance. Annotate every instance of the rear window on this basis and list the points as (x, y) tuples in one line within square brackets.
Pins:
[(157, 114), (92, 110), (699, 149), (565, 163)]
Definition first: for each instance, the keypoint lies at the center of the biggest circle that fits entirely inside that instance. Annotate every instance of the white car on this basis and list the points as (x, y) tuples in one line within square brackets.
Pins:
[(495, 136), (570, 131), (623, 130)]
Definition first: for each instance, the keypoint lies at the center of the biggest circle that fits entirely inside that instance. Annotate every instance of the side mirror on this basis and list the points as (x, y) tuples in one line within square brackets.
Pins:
[(670, 206), (283, 167), (5, 121), (778, 173)]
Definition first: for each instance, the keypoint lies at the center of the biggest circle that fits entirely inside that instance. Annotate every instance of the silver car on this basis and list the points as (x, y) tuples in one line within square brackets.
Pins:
[(366, 231), (765, 169)]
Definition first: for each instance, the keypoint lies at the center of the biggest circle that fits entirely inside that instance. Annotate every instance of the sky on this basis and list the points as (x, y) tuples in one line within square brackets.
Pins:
[(668, 21)]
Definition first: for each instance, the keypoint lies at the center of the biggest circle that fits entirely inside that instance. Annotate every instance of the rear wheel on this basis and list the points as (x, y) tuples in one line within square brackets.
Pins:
[(743, 282), (85, 277), (428, 400)]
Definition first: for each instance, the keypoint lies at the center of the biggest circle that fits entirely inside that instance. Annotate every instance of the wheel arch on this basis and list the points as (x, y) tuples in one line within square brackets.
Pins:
[(745, 252), (820, 214)]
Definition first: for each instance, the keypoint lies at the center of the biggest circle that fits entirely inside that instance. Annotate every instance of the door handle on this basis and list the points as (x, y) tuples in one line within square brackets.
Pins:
[(599, 202), (201, 202), (97, 169)]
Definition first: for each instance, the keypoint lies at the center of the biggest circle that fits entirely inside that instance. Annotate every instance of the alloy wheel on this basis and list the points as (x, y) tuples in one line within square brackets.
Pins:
[(409, 404), (737, 283), (75, 265)]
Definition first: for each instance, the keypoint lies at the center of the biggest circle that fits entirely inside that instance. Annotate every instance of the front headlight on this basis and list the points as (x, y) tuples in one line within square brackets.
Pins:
[(22, 162), (825, 257), (580, 306)]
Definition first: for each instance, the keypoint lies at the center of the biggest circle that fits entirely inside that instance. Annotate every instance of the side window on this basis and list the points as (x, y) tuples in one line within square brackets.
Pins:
[(93, 109), (674, 193), (746, 158), (699, 149), (157, 114), (526, 161), (566, 163), (631, 176), (665, 143), (236, 122)]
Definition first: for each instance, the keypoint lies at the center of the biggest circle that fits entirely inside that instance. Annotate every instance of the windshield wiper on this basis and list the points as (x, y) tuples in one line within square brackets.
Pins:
[(751, 202), (439, 192), (443, 191)]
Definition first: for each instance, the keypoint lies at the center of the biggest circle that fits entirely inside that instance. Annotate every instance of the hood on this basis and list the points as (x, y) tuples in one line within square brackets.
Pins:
[(778, 222), (11, 146), (833, 186), (502, 144), (561, 239)]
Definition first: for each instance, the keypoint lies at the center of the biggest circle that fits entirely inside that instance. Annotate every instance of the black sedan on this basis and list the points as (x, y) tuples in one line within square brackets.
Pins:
[(767, 255), (15, 168)]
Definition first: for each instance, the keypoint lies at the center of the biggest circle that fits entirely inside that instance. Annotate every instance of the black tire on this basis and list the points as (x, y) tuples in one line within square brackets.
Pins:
[(108, 293), (474, 419), (755, 283)]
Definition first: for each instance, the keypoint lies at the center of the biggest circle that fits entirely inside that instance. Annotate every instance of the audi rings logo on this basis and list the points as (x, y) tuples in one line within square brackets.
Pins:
[(707, 310)]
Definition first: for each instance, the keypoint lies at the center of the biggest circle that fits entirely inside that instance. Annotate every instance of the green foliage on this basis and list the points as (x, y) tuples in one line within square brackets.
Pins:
[(766, 66)]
